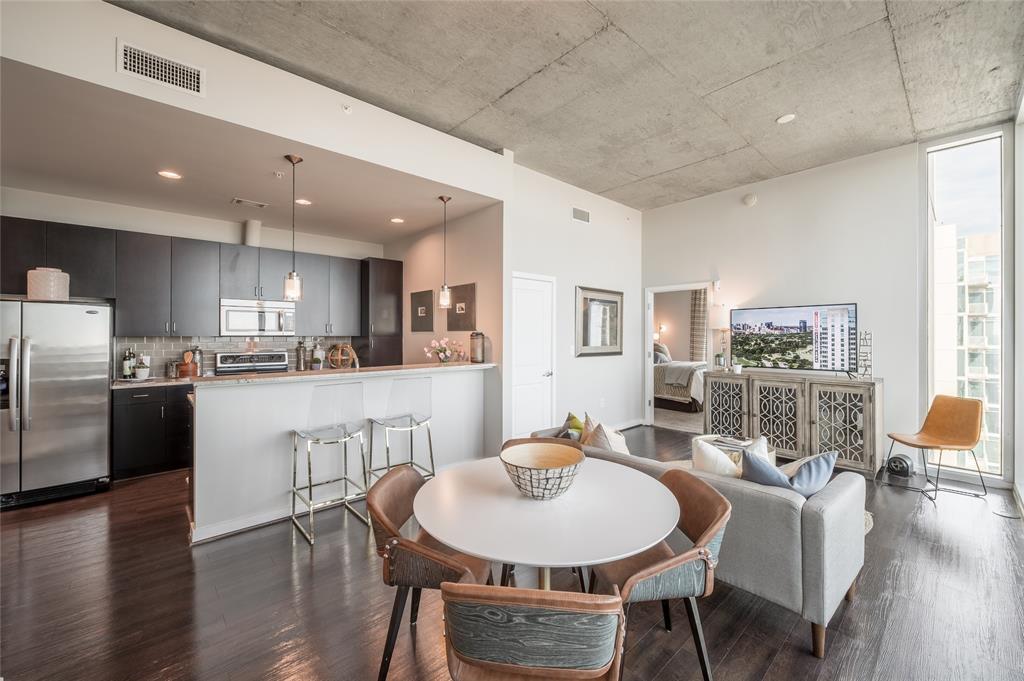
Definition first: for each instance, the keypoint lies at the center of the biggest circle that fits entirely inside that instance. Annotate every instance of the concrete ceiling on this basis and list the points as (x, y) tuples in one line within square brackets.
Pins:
[(648, 103), (66, 136)]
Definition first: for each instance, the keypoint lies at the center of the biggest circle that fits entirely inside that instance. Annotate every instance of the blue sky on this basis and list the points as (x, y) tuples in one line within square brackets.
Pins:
[(787, 316), (966, 186)]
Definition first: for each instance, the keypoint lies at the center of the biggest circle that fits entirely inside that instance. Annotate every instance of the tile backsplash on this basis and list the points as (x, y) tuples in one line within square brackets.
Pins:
[(164, 349)]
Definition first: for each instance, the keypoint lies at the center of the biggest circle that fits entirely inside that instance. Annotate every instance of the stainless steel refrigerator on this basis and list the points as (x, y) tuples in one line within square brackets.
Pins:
[(56, 359)]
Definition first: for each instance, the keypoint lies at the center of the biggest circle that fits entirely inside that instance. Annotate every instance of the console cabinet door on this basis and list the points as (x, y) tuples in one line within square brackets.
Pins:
[(143, 285), (842, 420), (726, 405), (345, 295), (195, 277), (778, 412), (274, 267), (22, 247), (239, 272), (86, 254), (313, 313)]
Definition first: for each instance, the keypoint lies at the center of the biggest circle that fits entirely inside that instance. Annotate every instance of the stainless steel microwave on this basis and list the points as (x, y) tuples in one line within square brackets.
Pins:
[(257, 317)]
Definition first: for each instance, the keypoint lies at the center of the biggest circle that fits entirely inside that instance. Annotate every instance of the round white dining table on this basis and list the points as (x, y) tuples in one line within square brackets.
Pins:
[(610, 512)]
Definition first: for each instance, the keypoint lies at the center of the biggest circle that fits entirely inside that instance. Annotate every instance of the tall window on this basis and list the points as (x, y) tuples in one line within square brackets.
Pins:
[(965, 207)]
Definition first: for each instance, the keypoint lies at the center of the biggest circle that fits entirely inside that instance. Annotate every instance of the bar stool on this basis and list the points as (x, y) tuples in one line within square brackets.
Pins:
[(409, 409), (335, 417)]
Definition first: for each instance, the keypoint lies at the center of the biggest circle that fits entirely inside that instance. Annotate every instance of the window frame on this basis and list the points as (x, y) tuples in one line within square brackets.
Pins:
[(1006, 132)]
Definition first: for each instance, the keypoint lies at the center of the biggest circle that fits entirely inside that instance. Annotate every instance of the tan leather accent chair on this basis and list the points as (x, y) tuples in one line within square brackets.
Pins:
[(952, 424), (660, 574), (418, 563), (495, 633)]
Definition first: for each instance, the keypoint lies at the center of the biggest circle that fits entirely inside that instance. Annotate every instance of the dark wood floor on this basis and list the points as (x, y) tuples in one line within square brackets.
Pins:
[(107, 587)]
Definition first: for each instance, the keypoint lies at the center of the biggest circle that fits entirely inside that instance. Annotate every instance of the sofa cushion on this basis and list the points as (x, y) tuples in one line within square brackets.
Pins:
[(812, 473), (603, 437), (710, 459)]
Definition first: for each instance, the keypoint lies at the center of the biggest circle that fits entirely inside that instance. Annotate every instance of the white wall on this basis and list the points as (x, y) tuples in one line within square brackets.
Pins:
[(672, 309), (845, 232), (474, 256), (23, 203), (542, 238)]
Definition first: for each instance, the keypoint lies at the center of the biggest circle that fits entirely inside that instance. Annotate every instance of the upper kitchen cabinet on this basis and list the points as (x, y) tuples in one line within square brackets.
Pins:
[(143, 285), (345, 297), (381, 297), (312, 313), (274, 267), (86, 254), (22, 247), (195, 276), (239, 272)]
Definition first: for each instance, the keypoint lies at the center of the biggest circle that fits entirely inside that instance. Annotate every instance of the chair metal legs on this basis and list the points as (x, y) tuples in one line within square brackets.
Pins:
[(401, 594), (414, 608), (933, 494), (698, 637), (666, 614)]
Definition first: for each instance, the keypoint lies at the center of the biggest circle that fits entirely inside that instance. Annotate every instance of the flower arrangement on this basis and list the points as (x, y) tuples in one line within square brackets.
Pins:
[(445, 350)]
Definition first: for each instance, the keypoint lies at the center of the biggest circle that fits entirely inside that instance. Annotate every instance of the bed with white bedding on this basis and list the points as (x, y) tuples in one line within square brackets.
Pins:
[(680, 381)]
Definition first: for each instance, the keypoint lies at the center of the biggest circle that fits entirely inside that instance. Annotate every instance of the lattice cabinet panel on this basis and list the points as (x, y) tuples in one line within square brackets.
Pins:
[(726, 407), (778, 413), (842, 420)]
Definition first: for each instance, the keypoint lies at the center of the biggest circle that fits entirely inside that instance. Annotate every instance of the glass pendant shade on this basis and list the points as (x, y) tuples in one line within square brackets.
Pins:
[(444, 298), (293, 286)]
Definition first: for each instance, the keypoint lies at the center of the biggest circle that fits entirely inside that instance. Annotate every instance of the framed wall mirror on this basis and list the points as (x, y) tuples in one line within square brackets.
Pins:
[(598, 322)]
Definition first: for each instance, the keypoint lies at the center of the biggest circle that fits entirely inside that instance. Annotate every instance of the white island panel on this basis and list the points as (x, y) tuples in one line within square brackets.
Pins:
[(243, 439)]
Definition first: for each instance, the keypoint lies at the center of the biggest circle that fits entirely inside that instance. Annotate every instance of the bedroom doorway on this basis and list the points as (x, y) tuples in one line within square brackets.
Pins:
[(677, 355)]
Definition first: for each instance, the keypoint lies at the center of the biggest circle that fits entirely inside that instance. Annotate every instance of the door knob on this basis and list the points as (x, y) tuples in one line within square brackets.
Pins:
[(546, 374)]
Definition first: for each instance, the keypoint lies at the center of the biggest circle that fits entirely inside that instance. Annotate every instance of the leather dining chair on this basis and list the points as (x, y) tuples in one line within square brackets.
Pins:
[(660, 574), (952, 424), (495, 633), (411, 564)]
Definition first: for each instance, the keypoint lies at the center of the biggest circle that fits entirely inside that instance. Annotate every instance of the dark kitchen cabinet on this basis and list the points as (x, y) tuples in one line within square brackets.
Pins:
[(239, 272), (152, 430), (87, 254), (380, 343), (313, 312), (143, 285), (346, 289), (195, 280), (22, 247), (274, 267)]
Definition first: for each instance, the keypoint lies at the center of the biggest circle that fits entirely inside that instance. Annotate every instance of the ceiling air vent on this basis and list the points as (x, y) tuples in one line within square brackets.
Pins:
[(154, 68), (581, 215), (249, 203)]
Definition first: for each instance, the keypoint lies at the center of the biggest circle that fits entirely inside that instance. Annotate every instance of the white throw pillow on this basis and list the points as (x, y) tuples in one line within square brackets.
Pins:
[(617, 440), (597, 434), (711, 459)]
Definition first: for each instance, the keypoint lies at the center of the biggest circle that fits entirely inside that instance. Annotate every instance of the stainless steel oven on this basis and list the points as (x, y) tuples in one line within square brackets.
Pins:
[(257, 317)]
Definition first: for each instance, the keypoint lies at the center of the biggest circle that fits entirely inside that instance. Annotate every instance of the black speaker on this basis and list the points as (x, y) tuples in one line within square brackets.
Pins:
[(901, 466)]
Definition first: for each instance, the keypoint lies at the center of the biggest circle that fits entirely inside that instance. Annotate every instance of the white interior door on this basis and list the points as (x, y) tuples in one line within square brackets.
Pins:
[(533, 353)]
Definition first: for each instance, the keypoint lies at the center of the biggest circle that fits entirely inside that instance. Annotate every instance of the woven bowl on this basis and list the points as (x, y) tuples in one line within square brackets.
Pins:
[(541, 470)]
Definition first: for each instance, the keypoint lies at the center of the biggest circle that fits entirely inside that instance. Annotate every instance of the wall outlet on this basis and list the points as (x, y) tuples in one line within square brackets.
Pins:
[(600, 402)]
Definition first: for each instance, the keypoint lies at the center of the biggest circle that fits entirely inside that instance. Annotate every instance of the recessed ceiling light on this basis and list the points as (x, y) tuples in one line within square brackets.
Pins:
[(169, 174), (397, 221), (785, 118), (304, 202)]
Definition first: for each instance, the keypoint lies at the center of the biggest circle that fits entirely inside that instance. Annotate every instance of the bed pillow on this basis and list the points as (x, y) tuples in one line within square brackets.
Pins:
[(661, 358), (805, 477), (663, 349)]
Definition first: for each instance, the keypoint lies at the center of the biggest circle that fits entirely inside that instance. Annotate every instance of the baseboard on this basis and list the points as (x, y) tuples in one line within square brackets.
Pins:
[(632, 423), (1018, 499)]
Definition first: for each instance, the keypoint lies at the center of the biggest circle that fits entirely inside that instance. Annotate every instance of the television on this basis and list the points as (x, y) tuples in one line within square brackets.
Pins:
[(805, 337)]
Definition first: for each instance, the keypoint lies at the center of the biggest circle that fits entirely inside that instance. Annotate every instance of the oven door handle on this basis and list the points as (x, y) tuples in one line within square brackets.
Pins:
[(13, 388)]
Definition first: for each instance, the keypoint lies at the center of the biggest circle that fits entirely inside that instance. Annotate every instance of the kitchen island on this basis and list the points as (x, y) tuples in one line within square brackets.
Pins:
[(243, 435)]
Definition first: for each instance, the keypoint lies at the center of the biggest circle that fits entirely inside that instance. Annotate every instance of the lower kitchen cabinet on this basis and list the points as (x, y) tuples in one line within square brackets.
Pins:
[(152, 430)]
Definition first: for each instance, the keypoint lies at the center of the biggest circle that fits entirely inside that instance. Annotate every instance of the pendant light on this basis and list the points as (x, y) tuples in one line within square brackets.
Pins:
[(292, 281), (444, 298)]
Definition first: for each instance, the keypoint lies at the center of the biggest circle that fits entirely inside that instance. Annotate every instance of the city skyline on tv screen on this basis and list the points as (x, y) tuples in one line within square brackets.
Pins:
[(820, 337)]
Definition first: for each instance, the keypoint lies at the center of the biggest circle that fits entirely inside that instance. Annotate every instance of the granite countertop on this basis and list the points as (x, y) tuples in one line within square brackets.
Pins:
[(299, 375)]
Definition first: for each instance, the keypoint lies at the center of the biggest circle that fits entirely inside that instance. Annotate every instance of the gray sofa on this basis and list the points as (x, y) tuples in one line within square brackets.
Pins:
[(803, 554)]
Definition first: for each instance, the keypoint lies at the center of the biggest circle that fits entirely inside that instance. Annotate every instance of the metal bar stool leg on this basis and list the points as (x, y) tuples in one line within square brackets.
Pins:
[(295, 465), (430, 448), (309, 485), (387, 448)]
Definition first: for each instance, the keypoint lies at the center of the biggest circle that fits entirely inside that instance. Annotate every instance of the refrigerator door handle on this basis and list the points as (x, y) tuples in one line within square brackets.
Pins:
[(12, 382), (26, 382)]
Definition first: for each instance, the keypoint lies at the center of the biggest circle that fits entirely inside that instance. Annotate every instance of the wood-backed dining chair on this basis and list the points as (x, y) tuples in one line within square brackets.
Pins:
[(495, 633), (411, 564), (953, 424), (660, 574)]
